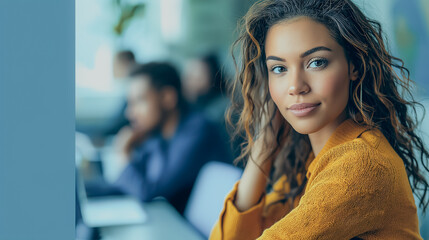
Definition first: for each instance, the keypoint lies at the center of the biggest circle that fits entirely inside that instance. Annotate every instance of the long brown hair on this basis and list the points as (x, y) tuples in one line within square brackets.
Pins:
[(374, 98)]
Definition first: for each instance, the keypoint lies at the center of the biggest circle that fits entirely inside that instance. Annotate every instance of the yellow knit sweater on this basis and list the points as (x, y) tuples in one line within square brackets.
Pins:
[(357, 189)]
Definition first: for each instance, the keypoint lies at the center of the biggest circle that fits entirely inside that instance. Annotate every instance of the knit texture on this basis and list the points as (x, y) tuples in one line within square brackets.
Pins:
[(357, 188)]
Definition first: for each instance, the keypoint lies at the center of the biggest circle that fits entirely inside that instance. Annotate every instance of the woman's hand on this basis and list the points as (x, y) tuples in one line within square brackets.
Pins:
[(266, 142), (254, 179)]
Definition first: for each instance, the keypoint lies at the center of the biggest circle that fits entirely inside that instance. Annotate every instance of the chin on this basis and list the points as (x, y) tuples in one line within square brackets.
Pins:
[(303, 130), (306, 126)]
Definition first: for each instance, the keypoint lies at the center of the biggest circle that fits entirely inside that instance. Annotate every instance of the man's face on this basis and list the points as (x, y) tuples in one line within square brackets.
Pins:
[(196, 80), (144, 109)]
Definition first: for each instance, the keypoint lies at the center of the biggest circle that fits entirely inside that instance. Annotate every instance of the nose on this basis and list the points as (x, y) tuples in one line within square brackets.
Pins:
[(298, 84)]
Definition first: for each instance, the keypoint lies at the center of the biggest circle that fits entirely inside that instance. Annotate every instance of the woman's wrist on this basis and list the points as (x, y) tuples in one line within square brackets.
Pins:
[(259, 155), (252, 184)]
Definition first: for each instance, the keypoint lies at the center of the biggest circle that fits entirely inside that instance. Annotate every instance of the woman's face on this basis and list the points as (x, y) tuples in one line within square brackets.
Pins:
[(308, 74)]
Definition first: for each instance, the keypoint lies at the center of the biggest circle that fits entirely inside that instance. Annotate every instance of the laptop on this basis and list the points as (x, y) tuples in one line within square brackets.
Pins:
[(109, 210)]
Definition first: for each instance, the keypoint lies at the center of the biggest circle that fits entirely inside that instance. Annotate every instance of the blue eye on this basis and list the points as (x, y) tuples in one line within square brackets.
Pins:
[(318, 63), (278, 69)]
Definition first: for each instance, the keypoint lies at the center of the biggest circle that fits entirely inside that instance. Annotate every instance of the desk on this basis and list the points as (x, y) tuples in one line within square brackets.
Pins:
[(163, 223)]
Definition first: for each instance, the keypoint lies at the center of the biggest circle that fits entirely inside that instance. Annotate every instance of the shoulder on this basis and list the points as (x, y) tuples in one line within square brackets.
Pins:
[(361, 161), (193, 122), (370, 148), (195, 125)]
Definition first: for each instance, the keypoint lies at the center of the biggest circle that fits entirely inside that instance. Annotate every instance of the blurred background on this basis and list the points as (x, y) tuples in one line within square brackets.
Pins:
[(112, 36), (169, 30)]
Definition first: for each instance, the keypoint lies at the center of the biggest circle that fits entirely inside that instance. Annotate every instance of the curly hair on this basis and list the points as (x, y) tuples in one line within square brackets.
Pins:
[(374, 98)]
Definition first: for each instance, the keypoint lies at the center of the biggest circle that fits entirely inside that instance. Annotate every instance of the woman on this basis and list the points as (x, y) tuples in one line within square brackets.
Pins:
[(331, 148)]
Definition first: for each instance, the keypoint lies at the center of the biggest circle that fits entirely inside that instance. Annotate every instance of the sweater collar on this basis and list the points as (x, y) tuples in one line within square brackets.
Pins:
[(346, 131)]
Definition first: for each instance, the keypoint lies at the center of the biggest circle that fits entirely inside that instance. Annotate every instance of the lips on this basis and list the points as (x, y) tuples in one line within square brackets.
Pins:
[(303, 109)]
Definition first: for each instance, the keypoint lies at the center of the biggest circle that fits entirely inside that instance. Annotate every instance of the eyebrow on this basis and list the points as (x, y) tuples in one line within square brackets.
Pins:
[(313, 50), (306, 53)]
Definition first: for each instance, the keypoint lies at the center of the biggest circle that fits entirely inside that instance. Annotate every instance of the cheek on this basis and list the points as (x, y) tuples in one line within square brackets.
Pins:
[(143, 110), (137, 112), (193, 84), (335, 89), (152, 112), (205, 82), (277, 92)]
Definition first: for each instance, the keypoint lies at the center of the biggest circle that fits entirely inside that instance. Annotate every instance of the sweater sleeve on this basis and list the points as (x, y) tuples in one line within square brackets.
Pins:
[(237, 225), (346, 198)]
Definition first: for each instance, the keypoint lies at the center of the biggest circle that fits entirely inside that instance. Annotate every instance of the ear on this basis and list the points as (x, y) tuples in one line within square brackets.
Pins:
[(353, 72), (169, 98)]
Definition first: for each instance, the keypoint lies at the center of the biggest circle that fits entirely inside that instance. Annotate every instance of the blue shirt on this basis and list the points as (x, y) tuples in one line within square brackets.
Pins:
[(168, 168)]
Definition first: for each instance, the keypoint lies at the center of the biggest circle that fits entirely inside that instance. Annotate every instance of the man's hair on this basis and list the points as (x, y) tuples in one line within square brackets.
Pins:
[(161, 75)]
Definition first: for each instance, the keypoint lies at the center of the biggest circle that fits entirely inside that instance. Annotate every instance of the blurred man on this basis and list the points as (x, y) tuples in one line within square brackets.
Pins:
[(166, 145)]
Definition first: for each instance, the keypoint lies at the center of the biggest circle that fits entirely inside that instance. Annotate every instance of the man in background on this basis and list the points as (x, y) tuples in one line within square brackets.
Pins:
[(165, 144)]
